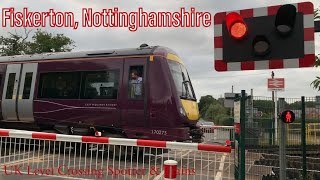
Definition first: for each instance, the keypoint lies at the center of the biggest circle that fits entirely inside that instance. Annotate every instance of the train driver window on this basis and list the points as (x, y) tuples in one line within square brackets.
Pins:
[(135, 87)]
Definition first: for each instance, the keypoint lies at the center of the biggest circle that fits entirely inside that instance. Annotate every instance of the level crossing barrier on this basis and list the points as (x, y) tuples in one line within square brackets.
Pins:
[(27, 153)]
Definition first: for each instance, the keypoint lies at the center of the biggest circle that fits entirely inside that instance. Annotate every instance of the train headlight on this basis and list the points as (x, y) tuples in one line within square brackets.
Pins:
[(183, 112)]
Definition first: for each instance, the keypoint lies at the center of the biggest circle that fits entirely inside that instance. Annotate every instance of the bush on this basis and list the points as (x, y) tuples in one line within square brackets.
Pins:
[(227, 122)]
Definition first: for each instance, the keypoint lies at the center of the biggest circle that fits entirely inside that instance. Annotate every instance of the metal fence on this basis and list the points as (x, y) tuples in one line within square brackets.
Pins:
[(263, 138), (33, 154)]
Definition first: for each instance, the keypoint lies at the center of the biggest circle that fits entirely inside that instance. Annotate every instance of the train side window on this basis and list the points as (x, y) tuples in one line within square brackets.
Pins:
[(27, 85), (100, 84), (59, 85), (135, 87), (10, 86)]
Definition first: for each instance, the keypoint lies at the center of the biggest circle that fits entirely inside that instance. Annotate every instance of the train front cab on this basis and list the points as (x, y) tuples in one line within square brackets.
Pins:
[(186, 101), (179, 104)]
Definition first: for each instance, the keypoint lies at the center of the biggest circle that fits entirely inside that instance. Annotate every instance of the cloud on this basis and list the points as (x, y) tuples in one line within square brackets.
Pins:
[(194, 45)]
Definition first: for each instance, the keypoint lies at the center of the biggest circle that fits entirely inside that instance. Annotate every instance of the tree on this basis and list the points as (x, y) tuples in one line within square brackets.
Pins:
[(204, 103), (213, 110), (15, 44), (298, 105), (46, 42), (41, 42), (316, 82), (216, 113)]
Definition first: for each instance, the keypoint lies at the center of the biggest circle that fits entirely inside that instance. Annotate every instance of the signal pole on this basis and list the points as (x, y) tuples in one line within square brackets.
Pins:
[(274, 99), (231, 111)]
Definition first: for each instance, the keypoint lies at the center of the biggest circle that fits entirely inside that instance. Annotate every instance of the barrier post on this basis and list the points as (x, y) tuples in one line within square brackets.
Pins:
[(170, 169)]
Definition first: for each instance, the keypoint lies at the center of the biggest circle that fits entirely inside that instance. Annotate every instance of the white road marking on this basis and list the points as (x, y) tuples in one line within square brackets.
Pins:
[(219, 174), (11, 163), (11, 155)]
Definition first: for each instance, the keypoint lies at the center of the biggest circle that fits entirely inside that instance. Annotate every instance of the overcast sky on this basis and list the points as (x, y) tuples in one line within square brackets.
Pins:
[(194, 45)]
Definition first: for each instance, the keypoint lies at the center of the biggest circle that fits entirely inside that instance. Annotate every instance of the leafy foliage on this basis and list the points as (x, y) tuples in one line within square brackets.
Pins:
[(298, 105), (15, 44), (205, 102), (316, 82), (213, 110), (317, 14), (46, 42), (42, 42)]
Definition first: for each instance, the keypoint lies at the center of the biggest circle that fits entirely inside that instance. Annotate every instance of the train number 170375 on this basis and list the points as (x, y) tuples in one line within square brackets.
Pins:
[(159, 132)]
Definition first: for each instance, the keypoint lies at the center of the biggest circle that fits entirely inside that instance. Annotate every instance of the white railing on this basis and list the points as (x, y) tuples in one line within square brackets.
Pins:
[(26, 153), (218, 134)]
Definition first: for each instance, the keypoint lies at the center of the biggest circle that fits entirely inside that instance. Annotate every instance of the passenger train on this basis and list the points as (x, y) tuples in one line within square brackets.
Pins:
[(143, 93)]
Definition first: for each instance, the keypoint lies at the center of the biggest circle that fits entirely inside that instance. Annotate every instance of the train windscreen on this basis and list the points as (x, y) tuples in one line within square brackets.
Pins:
[(182, 80)]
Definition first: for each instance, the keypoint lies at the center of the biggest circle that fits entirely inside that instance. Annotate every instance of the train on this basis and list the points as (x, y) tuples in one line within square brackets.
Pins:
[(141, 93)]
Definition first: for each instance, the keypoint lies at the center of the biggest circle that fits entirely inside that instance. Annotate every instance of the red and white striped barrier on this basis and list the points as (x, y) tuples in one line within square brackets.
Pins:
[(114, 141), (90, 157)]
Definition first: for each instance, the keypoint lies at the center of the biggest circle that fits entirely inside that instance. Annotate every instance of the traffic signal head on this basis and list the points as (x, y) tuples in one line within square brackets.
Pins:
[(272, 37), (288, 116)]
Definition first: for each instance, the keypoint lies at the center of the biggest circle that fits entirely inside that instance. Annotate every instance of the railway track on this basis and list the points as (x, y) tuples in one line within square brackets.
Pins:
[(294, 166)]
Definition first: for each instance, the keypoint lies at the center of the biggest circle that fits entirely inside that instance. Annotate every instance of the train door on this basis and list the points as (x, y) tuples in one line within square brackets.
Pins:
[(10, 91), (18, 91), (134, 83), (26, 92)]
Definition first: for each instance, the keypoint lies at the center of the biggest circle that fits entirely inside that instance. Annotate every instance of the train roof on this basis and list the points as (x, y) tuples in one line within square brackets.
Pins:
[(144, 49)]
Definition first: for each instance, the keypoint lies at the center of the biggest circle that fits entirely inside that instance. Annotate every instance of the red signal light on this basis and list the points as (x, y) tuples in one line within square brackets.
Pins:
[(236, 25), (287, 116)]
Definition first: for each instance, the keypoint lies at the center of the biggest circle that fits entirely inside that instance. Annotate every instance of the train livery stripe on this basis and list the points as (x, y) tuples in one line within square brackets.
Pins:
[(174, 57), (114, 141)]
